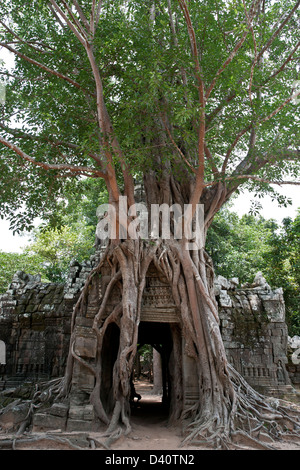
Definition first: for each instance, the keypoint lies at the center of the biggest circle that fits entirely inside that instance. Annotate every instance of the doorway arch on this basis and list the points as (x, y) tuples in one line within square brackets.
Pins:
[(109, 355), (165, 338)]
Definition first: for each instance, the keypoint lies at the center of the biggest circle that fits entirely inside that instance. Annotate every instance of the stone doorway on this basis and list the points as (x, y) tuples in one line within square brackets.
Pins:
[(159, 384), (109, 355)]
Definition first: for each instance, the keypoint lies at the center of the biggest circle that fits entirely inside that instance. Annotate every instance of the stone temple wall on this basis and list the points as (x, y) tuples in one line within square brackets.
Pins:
[(255, 334), (35, 320), (35, 328)]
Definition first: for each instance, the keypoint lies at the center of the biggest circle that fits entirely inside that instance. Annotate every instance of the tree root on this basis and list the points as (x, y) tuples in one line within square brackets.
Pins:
[(17, 442), (256, 422)]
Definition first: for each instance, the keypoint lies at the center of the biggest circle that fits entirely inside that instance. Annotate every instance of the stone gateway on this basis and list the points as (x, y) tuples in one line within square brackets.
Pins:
[(35, 328)]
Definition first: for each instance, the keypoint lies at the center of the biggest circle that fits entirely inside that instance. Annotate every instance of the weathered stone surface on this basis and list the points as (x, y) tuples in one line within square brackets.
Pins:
[(35, 321), (59, 409), (82, 412), (85, 346), (45, 421), (13, 415), (224, 299), (78, 425)]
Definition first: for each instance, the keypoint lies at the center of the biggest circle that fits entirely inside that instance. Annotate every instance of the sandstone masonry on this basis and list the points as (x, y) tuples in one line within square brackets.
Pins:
[(35, 320)]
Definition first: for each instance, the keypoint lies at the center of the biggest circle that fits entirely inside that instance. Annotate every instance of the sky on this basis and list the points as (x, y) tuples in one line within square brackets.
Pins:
[(270, 209)]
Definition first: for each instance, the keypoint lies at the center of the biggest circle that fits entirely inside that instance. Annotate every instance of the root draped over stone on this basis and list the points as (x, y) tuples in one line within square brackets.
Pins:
[(229, 411)]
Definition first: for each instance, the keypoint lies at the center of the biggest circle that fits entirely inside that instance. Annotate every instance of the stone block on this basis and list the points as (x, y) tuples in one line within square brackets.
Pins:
[(275, 310), (44, 421), (13, 415), (224, 299), (82, 377), (81, 412), (86, 346), (78, 425), (59, 409)]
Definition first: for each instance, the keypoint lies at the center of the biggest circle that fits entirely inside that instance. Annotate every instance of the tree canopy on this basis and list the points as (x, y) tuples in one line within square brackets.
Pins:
[(190, 99), (204, 90)]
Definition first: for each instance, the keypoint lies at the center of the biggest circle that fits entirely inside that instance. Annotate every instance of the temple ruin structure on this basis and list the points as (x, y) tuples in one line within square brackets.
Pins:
[(35, 327)]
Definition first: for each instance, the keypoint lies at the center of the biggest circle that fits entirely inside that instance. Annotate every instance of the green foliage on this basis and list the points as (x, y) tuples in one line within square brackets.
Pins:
[(57, 247), (240, 247), (49, 253), (70, 232), (10, 263), (147, 73), (283, 267), (146, 352)]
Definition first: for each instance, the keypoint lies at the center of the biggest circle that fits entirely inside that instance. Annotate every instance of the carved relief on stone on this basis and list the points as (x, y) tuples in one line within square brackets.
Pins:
[(157, 292)]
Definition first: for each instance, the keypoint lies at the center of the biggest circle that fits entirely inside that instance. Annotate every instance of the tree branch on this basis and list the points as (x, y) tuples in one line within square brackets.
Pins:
[(211, 161), (82, 15), (80, 34), (109, 141), (260, 121), (287, 101), (278, 30), (176, 146), (255, 178), (219, 108), (44, 67), (225, 64), (233, 53), (76, 22), (56, 16), (98, 11), (288, 59), (255, 53), (253, 163), (233, 94), (47, 166), (53, 142), (233, 145), (21, 39), (201, 93)]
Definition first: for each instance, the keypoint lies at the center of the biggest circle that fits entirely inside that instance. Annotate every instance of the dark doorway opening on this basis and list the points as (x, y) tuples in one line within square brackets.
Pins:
[(152, 374), (109, 355)]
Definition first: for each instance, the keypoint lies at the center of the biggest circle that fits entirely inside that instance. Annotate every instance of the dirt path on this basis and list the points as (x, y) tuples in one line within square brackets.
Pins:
[(149, 427)]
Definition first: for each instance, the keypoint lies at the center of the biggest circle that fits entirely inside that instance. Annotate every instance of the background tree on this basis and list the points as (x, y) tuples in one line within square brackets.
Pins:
[(242, 246), (192, 100), (10, 263), (282, 268), (69, 232), (239, 246)]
